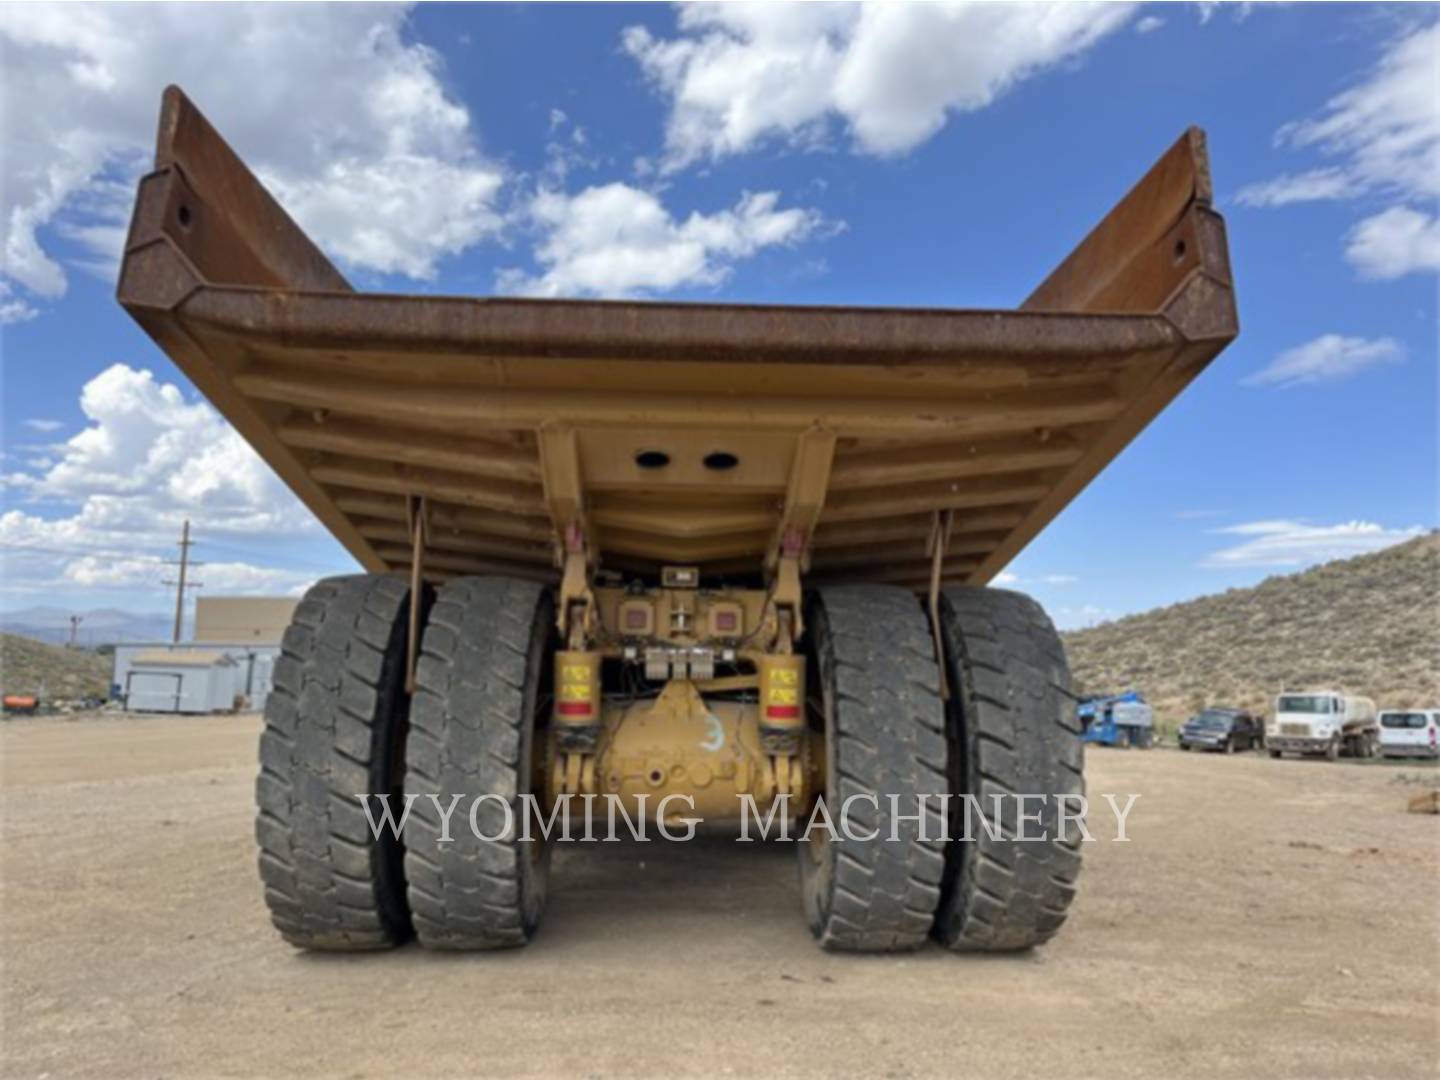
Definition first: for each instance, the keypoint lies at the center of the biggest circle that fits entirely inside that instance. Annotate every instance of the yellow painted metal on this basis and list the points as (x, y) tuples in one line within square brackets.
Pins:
[(678, 743), (577, 687), (782, 691), (698, 612)]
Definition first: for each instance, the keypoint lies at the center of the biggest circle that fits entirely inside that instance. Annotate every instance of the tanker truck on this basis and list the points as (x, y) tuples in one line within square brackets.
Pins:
[(734, 554), (1323, 722)]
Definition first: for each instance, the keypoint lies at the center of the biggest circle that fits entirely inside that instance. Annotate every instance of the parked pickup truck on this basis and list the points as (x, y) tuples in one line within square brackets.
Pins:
[(1226, 730), (1323, 722), (1410, 733)]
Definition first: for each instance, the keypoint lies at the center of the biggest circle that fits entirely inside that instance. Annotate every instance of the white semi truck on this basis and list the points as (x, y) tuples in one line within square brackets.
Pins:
[(1322, 722)]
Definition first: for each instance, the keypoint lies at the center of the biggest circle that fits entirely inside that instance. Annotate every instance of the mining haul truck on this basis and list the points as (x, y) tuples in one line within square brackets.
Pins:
[(627, 549)]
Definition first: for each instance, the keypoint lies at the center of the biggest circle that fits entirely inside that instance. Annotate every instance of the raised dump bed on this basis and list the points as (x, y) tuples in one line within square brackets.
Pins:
[(687, 501)]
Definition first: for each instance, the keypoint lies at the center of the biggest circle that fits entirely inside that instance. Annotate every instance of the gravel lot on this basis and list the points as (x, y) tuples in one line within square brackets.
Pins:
[(1274, 918)]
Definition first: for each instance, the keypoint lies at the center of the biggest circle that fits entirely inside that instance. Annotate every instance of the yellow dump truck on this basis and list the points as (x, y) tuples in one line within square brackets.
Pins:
[(733, 554)]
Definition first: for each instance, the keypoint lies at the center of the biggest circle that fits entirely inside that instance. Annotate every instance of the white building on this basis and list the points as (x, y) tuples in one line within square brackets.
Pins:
[(179, 680), (245, 630)]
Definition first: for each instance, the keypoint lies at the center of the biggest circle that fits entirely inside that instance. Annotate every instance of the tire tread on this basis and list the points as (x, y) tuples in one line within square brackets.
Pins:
[(329, 883), (874, 647), (1014, 730)]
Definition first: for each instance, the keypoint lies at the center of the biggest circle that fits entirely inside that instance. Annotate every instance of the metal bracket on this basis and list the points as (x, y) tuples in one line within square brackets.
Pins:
[(417, 523), (937, 546), (789, 553), (804, 492), (564, 486), (786, 593), (561, 476), (575, 617)]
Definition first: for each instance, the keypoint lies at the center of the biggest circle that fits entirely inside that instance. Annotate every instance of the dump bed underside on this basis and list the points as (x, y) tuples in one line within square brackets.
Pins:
[(675, 433)]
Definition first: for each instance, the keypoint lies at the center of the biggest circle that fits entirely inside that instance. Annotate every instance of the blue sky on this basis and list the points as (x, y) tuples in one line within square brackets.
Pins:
[(932, 157)]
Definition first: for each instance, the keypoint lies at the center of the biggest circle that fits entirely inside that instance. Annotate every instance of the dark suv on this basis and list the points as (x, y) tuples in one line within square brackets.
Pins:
[(1226, 730)]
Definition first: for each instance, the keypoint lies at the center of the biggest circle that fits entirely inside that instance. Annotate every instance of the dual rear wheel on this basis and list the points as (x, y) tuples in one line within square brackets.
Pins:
[(343, 739), (340, 724)]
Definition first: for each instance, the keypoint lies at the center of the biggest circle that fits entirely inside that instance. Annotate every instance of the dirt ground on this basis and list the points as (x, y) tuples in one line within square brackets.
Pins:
[(1268, 918)]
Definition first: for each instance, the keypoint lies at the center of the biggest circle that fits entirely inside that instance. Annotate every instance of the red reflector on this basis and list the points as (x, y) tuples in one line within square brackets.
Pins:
[(783, 712), (636, 619), (725, 620), (573, 708)]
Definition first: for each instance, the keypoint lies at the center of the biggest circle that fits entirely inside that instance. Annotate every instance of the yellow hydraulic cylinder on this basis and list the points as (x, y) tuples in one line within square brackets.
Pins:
[(782, 719), (782, 697), (577, 689), (577, 722)]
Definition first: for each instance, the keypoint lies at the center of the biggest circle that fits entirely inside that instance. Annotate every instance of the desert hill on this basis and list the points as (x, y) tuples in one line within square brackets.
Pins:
[(1369, 625), (53, 671)]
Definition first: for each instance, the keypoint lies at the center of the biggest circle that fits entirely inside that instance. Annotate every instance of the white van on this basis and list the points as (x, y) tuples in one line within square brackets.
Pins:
[(1410, 733)]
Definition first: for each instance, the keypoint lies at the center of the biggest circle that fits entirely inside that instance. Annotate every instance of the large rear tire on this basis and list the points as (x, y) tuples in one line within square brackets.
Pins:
[(1013, 730), (875, 682), (334, 730), (481, 681)]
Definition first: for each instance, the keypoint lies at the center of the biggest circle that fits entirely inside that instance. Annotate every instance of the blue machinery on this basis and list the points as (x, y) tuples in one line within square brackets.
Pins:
[(1117, 720)]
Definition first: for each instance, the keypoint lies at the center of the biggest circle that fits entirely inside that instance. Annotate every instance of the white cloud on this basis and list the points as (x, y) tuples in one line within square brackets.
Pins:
[(1394, 242), (1329, 182), (148, 457), (1383, 136), (565, 150), (739, 75), (95, 572), (1149, 24), (14, 309), (347, 121), (1238, 12), (1009, 580), (43, 425), (1387, 128), (1295, 544), (617, 240), (107, 510), (1328, 358)]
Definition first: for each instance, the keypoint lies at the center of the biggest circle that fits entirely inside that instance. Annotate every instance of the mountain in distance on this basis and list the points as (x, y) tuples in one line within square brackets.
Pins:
[(103, 626)]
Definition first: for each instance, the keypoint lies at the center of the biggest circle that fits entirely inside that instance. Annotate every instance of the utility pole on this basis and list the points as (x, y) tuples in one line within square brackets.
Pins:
[(75, 621), (182, 583)]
